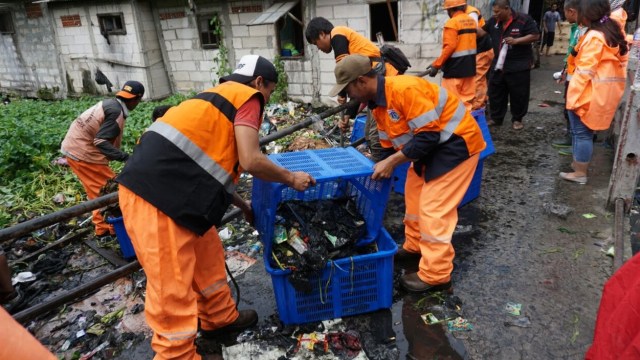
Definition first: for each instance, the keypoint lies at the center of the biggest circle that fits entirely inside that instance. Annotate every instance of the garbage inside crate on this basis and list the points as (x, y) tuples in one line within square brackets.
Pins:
[(308, 234), (346, 286)]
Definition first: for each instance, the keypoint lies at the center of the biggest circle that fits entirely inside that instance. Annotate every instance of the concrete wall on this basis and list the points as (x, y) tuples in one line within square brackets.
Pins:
[(28, 57), (162, 46), (131, 56)]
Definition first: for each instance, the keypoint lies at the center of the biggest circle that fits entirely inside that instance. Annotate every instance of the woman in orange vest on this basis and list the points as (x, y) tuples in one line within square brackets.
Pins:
[(174, 191), (458, 57), (420, 122), (597, 84)]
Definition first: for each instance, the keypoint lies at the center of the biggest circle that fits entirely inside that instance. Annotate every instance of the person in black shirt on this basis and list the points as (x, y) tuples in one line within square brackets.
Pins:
[(511, 83)]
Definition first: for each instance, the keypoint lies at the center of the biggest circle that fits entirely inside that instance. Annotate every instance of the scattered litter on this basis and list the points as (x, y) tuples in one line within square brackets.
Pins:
[(566, 231), (59, 198), (600, 243), (23, 277), (96, 329), (65, 346), (589, 216), (90, 354), (552, 250), (543, 105), (513, 308), (137, 308), (577, 254), (539, 127), (459, 324), (522, 322), (558, 92), (113, 316), (611, 251), (225, 234), (560, 210), (80, 334), (61, 161), (430, 319)]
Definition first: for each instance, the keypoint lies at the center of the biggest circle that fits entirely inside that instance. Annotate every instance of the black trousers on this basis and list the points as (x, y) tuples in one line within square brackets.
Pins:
[(505, 88)]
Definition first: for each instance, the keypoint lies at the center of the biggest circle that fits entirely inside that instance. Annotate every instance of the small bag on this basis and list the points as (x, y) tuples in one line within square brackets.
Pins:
[(395, 57)]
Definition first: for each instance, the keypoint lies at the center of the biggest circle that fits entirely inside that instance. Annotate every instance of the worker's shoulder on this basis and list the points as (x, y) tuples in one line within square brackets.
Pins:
[(111, 105)]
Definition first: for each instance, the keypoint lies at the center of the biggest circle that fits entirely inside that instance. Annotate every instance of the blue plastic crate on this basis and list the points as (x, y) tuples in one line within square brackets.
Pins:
[(482, 122), (339, 172), (400, 177), (474, 188), (345, 287), (123, 238), (358, 127), (400, 173)]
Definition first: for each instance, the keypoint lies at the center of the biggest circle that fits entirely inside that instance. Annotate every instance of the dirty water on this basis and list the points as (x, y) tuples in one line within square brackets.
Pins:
[(524, 241)]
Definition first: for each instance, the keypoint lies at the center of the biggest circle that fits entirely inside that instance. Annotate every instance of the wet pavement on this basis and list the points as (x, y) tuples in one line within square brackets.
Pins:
[(525, 240)]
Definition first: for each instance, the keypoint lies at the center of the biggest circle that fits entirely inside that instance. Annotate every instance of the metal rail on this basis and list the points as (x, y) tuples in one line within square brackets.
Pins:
[(618, 234), (82, 290), (62, 215)]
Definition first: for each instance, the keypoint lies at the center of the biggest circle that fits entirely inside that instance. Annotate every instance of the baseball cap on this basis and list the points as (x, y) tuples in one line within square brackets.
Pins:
[(348, 69), (131, 89), (251, 66)]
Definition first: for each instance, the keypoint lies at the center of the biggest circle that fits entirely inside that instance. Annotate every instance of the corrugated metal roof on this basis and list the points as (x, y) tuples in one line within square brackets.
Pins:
[(273, 14)]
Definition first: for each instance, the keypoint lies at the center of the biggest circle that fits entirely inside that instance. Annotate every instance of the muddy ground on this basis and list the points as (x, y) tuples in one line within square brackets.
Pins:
[(525, 240)]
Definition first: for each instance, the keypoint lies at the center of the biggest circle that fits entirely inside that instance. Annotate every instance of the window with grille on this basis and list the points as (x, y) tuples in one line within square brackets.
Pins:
[(112, 24), (207, 25), (6, 23)]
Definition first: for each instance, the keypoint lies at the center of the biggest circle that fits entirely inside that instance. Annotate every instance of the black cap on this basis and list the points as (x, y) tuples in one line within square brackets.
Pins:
[(251, 66), (131, 89)]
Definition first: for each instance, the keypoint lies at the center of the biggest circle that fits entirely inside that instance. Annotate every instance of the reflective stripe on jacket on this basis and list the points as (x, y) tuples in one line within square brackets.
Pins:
[(415, 105), (79, 141), (359, 44), (187, 162), (598, 82), (458, 56)]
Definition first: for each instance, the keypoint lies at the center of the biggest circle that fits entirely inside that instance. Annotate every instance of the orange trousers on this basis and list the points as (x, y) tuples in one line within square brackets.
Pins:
[(93, 177), (186, 278), (483, 63), (431, 217), (463, 88), (16, 343)]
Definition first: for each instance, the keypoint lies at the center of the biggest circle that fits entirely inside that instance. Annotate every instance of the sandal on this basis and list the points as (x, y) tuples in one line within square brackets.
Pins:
[(517, 125), (582, 180)]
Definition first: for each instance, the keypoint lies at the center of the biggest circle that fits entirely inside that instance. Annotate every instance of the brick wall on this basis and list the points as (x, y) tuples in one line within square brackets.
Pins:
[(71, 20), (37, 67)]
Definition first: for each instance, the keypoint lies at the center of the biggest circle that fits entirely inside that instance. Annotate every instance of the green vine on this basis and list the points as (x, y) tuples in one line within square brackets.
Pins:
[(222, 58), (280, 93)]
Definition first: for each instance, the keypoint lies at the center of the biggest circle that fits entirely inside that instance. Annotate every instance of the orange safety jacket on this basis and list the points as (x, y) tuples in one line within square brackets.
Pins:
[(414, 106), (458, 56), (482, 43), (598, 82), (345, 41), (187, 164)]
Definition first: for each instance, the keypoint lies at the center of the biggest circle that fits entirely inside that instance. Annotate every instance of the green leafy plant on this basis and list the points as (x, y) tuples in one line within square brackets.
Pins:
[(222, 57), (280, 93)]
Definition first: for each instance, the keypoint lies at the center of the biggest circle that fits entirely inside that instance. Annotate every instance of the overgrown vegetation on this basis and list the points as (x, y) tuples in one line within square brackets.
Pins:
[(222, 57), (280, 94), (30, 135)]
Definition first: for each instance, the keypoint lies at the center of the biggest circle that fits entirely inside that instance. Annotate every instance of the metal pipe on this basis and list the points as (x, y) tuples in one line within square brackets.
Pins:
[(618, 235), (42, 308), (56, 217)]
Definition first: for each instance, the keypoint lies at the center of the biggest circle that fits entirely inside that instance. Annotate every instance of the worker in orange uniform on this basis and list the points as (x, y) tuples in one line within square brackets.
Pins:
[(425, 124), (174, 191), (458, 57), (484, 57), (16, 343), (344, 41), (597, 84), (94, 138)]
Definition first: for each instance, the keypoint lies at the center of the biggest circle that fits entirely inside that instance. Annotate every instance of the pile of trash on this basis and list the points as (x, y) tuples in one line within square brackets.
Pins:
[(308, 234)]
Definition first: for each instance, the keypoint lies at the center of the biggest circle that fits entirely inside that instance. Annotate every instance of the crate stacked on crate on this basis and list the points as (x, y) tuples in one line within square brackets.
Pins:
[(346, 286), (400, 173)]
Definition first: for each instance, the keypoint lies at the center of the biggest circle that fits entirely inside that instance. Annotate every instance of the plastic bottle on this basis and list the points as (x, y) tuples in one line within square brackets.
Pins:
[(502, 56), (635, 54), (254, 249)]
